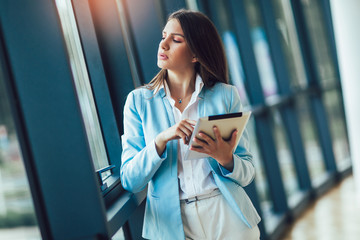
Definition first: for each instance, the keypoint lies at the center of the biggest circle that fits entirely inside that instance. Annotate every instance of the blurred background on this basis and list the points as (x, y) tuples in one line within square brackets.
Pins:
[(66, 67)]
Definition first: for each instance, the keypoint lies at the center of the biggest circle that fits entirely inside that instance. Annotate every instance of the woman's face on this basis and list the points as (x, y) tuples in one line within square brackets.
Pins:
[(174, 53)]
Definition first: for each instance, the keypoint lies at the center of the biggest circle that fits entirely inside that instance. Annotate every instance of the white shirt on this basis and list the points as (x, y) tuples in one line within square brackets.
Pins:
[(194, 176)]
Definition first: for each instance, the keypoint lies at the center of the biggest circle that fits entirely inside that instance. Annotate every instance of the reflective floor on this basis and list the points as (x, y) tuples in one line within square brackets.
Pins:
[(334, 216)]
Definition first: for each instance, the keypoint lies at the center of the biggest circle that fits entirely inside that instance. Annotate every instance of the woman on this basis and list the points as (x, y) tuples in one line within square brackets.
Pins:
[(188, 199)]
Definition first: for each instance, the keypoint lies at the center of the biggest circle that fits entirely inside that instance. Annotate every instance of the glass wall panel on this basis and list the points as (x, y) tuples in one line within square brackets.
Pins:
[(261, 49), (82, 84), (236, 72), (261, 182), (17, 214), (237, 78), (192, 4), (146, 23), (314, 157), (328, 79), (319, 40), (289, 42), (338, 129), (119, 235), (286, 160)]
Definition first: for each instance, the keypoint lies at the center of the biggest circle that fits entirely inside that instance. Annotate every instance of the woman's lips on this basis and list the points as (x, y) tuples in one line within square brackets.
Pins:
[(162, 56)]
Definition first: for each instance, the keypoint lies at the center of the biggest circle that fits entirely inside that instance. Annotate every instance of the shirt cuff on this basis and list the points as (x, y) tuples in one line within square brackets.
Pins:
[(155, 153), (224, 171)]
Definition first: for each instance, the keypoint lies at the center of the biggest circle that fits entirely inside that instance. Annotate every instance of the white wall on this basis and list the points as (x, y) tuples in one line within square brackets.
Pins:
[(346, 20)]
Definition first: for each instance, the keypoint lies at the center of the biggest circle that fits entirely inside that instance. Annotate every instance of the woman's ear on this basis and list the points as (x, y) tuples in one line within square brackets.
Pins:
[(194, 59)]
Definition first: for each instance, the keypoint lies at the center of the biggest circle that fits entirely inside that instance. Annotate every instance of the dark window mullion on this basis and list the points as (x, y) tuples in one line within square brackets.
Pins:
[(98, 81)]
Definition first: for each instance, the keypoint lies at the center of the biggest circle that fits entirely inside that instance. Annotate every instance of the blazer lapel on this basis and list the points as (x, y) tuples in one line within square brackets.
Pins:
[(172, 151), (168, 108), (201, 107)]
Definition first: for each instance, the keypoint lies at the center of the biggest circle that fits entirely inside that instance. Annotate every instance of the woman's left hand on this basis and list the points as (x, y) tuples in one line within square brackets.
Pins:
[(218, 148)]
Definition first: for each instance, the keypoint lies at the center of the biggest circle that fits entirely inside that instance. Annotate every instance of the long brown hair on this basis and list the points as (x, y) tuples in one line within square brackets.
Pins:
[(204, 41)]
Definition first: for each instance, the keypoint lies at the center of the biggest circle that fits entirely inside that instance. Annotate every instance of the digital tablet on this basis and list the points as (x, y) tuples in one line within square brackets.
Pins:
[(226, 124)]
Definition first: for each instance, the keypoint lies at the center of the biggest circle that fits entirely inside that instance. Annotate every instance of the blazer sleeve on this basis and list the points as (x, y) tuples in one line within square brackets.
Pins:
[(139, 162), (244, 171)]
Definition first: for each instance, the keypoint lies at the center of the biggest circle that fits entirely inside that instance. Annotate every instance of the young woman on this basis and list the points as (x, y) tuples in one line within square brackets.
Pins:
[(188, 199)]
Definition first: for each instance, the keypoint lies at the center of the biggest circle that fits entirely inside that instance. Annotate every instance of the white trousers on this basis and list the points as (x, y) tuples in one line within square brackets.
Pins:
[(212, 218)]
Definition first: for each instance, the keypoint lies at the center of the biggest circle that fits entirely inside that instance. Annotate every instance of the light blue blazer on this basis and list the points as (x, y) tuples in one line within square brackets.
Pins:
[(145, 116)]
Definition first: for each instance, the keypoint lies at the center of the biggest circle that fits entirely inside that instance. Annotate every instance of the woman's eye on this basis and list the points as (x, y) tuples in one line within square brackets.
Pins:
[(177, 41)]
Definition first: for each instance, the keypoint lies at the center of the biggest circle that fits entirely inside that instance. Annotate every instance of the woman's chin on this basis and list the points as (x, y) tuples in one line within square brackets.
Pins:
[(161, 65)]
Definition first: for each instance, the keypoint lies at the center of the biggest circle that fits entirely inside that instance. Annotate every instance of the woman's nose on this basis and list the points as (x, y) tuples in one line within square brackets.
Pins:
[(164, 44)]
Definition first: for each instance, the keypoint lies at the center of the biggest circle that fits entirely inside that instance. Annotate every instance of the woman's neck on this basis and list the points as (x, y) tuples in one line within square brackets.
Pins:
[(181, 84)]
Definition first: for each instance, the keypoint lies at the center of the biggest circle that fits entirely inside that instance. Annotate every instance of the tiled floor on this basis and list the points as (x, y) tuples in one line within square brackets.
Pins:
[(334, 216)]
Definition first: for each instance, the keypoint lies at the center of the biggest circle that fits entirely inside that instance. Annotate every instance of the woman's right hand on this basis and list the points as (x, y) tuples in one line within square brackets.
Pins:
[(181, 130)]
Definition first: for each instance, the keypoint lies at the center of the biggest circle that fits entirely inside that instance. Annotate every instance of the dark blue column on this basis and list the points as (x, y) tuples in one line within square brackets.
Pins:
[(51, 131)]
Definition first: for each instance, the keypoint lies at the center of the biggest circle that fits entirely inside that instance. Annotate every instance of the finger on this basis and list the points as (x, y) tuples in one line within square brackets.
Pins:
[(200, 142), (188, 126), (181, 135), (233, 138), (206, 137), (185, 130), (217, 133), (197, 149), (192, 122), (185, 123)]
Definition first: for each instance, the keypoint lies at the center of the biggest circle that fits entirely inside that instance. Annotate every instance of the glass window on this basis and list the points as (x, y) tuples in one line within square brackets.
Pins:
[(236, 72), (192, 4), (119, 235), (237, 78), (328, 80), (146, 25), (82, 84), (332, 100), (235, 66), (314, 157), (289, 42), (319, 41), (261, 182), (17, 214), (261, 49), (286, 160)]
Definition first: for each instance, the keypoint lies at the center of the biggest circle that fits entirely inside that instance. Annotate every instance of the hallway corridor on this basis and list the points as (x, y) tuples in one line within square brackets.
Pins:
[(334, 216)]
